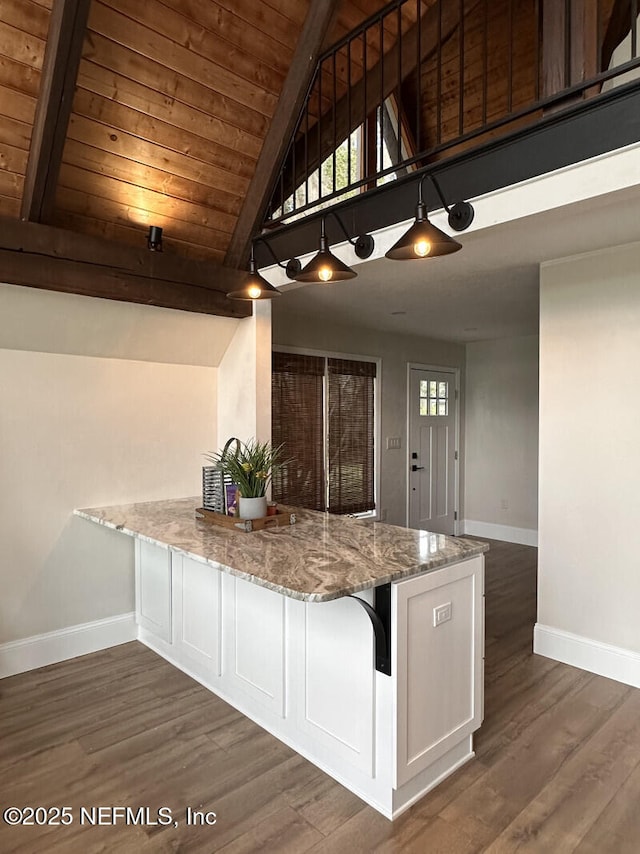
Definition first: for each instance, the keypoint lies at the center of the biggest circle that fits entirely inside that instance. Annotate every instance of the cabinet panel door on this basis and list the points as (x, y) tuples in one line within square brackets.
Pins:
[(438, 661), (153, 589), (338, 710), (256, 629), (197, 610)]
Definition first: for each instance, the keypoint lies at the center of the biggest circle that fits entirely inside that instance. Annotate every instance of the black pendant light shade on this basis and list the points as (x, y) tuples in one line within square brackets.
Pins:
[(256, 287), (325, 267), (422, 240)]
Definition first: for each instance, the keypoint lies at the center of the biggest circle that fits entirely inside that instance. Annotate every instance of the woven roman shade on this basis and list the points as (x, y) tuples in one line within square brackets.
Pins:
[(297, 423), (351, 435), (332, 445)]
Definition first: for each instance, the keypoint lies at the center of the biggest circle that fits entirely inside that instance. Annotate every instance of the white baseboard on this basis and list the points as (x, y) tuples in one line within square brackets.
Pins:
[(614, 662), (52, 647), (506, 533)]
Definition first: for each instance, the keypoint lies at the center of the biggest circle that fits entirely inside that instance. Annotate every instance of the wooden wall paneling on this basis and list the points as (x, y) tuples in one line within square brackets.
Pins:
[(18, 79), (245, 64), (26, 16), (15, 133), (134, 235), (41, 256), (145, 152), (182, 60), (11, 184), (269, 20), (13, 159), (16, 105), (60, 66), (111, 85), (281, 129), (130, 65), (272, 48), (138, 124), (524, 74), (122, 169), (20, 46), (554, 70), (156, 203), (131, 212)]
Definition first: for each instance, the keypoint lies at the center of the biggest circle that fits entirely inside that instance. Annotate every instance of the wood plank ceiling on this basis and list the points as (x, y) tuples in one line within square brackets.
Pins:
[(172, 104)]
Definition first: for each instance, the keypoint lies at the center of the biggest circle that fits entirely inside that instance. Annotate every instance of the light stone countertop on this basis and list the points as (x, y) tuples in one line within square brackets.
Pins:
[(321, 557)]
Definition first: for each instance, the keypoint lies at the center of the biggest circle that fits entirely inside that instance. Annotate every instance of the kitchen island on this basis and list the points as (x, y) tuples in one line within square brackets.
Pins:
[(359, 644)]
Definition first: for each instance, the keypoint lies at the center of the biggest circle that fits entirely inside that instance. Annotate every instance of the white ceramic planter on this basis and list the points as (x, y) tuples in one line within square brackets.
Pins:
[(253, 508)]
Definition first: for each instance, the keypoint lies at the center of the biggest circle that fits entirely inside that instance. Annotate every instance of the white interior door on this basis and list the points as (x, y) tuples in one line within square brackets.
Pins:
[(432, 449)]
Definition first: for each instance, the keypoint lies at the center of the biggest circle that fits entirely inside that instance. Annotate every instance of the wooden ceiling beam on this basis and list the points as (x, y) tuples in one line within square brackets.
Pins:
[(281, 128), (67, 27), (54, 259)]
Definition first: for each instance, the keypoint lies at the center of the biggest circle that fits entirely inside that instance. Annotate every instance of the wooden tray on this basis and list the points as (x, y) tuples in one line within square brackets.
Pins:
[(245, 525)]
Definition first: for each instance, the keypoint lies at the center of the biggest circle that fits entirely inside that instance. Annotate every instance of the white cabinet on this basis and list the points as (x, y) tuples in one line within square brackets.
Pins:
[(438, 620), (255, 632), (153, 589), (335, 662), (306, 671), (197, 616)]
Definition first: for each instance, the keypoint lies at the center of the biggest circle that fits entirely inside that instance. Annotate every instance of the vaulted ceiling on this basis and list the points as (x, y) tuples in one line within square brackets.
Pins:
[(171, 109), (120, 114)]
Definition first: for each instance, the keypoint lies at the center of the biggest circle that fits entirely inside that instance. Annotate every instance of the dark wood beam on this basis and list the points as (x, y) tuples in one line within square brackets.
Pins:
[(281, 128), (54, 259), (65, 38), (618, 26), (418, 44)]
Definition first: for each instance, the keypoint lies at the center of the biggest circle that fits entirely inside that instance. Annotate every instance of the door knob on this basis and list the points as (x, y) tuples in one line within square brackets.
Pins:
[(416, 468)]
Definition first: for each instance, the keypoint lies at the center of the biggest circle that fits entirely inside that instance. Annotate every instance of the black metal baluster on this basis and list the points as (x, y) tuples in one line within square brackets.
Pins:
[(333, 109), (418, 121), (461, 72), (510, 61), (439, 77), (349, 125), (485, 59), (399, 88)]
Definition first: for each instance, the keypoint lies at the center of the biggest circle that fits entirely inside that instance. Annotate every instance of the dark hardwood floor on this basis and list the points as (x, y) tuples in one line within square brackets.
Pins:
[(557, 765)]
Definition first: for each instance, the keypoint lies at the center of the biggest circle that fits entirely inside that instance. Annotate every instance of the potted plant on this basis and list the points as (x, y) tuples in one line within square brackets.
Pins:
[(250, 466)]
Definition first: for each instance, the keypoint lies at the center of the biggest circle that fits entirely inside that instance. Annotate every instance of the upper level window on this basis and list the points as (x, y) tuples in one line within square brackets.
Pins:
[(324, 415)]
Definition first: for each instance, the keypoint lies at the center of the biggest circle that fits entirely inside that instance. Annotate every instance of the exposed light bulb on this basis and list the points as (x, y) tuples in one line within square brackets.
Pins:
[(325, 273), (254, 291), (422, 248)]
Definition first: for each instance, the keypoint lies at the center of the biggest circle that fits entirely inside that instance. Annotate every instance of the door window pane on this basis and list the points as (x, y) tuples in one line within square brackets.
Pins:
[(434, 397)]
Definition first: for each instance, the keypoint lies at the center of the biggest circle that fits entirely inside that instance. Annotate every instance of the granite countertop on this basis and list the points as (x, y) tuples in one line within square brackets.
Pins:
[(321, 557)]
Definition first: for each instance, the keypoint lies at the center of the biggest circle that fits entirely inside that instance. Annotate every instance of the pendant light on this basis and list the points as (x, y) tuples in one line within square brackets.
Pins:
[(256, 287), (324, 266), (425, 240)]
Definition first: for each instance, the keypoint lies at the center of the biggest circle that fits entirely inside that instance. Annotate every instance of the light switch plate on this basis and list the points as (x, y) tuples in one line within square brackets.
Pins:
[(394, 443)]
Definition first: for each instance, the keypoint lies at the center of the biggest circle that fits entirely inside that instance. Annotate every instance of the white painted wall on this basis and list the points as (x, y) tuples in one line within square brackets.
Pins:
[(501, 445), (100, 403), (296, 330), (589, 583)]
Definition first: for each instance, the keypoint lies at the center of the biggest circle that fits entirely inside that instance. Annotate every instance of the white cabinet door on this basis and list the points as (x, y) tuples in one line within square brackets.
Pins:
[(336, 662), (197, 615), (153, 589), (255, 634), (438, 663)]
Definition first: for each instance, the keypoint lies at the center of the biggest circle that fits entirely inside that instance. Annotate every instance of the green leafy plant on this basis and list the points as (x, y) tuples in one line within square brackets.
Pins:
[(250, 465)]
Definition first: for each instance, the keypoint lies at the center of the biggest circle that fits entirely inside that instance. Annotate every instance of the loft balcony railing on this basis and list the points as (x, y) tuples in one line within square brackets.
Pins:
[(426, 79)]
